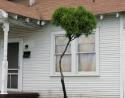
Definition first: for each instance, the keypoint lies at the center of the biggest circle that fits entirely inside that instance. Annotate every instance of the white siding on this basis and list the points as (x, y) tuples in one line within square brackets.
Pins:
[(36, 70)]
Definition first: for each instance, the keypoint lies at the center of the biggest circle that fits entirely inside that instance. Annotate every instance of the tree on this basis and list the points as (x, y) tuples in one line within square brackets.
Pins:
[(76, 22)]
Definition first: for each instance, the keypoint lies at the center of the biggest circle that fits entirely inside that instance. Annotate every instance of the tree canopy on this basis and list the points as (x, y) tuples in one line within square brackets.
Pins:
[(75, 21)]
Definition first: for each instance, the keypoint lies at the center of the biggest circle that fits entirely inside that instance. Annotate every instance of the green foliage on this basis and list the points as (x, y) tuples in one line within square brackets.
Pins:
[(75, 21)]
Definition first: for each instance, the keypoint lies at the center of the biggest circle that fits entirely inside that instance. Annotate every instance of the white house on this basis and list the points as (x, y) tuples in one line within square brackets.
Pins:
[(93, 66)]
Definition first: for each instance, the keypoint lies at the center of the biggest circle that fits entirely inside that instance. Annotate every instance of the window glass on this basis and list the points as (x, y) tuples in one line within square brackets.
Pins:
[(86, 62), (86, 53), (66, 63), (60, 44), (86, 44)]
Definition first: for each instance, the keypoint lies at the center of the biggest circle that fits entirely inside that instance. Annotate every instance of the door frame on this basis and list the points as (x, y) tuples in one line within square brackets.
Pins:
[(20, 62)]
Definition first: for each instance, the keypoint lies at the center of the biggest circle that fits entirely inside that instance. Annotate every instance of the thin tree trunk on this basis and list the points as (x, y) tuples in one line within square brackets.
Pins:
[(61, 73)]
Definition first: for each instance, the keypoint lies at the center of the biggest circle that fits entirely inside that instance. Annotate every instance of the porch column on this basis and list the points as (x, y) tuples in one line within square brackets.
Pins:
[(5, 62)]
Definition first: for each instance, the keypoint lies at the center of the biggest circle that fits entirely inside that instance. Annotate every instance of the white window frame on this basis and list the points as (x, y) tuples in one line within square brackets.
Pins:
[(74, 59)]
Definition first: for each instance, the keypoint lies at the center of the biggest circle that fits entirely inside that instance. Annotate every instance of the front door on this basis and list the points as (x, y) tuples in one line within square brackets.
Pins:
[(13, 65)]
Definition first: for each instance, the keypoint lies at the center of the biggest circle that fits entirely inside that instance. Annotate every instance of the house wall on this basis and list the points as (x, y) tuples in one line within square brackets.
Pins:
[(36, 70)]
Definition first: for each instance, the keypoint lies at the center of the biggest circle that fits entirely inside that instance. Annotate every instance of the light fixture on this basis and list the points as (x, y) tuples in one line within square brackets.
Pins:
[(101, 17), (27, 20), (38, 22), (42, 23), (117, 15)]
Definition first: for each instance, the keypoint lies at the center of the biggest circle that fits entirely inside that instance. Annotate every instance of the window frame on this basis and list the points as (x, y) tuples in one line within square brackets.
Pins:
[(74, 57)]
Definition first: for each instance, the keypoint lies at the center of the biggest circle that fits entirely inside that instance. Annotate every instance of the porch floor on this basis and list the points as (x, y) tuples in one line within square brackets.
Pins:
[(19, 95)]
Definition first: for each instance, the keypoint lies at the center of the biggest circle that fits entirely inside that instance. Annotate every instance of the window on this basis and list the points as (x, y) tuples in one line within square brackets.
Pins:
[(81, 57)]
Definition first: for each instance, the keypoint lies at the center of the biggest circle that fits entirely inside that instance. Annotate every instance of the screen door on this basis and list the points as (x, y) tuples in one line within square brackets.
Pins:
[(13, 69)]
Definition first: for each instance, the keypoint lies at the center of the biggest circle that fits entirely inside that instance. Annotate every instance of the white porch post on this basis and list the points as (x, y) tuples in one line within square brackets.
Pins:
[(5, 62), (3, 20)]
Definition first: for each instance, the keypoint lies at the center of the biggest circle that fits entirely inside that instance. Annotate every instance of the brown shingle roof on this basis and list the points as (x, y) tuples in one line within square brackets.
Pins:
[(43, 9)]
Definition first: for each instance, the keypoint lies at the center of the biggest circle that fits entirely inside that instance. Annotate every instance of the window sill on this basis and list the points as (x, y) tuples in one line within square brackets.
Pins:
[(85, 74)]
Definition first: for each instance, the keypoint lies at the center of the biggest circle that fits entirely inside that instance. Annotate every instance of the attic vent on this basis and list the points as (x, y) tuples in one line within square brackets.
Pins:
[(31, 2)]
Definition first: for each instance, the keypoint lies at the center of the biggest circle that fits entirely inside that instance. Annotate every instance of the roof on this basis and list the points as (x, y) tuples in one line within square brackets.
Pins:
[(43, 9)]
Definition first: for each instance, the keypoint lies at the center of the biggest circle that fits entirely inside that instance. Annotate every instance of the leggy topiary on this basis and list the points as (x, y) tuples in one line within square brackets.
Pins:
[(76, 22)]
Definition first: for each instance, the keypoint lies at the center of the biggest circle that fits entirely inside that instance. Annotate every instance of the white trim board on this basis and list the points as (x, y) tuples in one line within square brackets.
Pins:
[(122, 57)]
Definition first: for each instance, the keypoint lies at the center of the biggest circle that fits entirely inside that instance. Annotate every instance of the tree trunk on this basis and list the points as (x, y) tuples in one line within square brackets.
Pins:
[(61, 73)]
